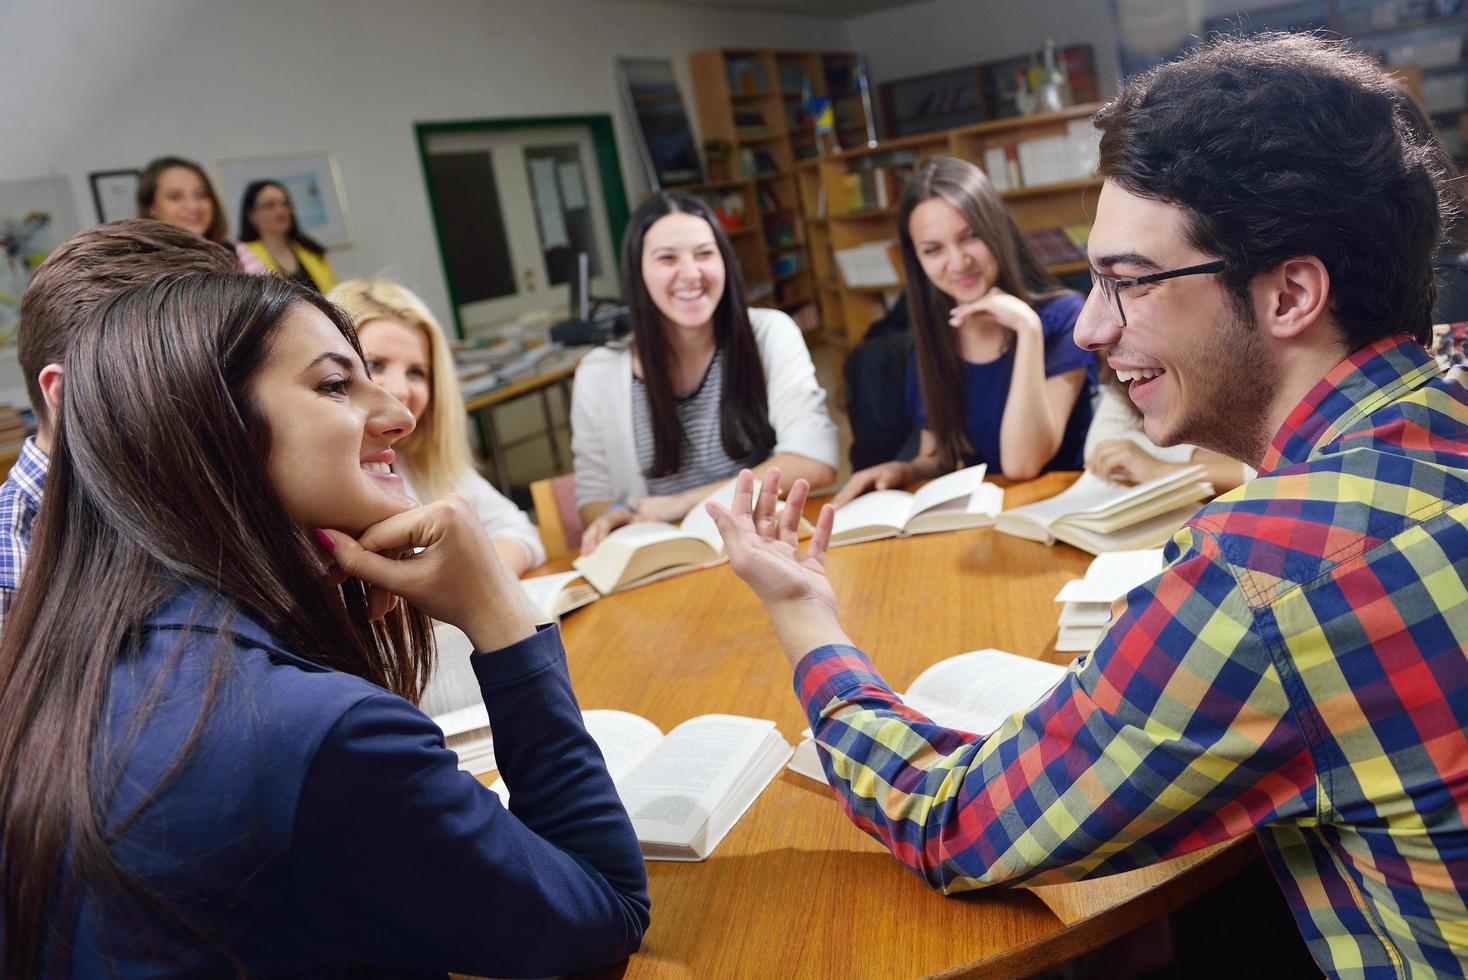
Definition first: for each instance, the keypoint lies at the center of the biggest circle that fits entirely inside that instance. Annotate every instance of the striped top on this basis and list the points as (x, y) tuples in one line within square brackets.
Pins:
[(1298, 670), (703, 460)]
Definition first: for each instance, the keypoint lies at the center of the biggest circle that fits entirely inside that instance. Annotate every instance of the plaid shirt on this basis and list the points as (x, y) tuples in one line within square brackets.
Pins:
[(1298, 670), (20, 499)]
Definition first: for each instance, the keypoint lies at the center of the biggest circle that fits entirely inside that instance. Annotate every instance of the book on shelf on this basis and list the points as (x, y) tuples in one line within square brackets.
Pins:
[(956, 501), (686, 789), (1086, 603), (972, 692), (746, 76), (788, 263), (748, 117), (1052, 246), (727, 206), (647, 551), (757, 163), (1098, 516), (869, 265)]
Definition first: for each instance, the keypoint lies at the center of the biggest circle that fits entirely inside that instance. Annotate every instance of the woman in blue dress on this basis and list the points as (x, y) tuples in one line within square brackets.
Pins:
[(996, 376)]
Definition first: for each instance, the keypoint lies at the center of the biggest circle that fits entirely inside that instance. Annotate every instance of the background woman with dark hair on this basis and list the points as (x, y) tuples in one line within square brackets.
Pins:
[(269, 232), (702, 388), (996, 376), (210, 756), (178, 192)]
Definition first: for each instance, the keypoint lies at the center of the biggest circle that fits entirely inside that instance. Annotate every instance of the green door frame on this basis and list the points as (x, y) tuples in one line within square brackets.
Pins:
[(609, 167)]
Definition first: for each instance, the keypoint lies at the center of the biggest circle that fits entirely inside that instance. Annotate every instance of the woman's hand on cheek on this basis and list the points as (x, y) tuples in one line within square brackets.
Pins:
[(455, 577)]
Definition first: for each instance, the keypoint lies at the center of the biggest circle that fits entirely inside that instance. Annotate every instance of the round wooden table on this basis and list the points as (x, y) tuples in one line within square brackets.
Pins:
[(795, 890)]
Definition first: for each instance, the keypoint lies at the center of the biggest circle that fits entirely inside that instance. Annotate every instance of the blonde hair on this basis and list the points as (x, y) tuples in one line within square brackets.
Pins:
[(435, 457)]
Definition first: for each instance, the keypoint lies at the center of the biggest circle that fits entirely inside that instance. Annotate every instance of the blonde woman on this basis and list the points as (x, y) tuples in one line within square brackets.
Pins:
[(406, 354)]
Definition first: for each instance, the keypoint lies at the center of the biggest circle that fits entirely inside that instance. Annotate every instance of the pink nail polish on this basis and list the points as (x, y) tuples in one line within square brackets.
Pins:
[(324, 539)]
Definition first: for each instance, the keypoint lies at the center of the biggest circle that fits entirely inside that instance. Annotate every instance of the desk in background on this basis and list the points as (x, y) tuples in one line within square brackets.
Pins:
[(796, 890), (555, 370)]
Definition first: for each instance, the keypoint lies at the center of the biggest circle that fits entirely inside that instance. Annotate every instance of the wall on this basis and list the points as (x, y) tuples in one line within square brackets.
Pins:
[(91, 85)]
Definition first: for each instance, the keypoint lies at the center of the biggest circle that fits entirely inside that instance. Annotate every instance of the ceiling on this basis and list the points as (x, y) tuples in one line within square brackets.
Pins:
[(830, 8)]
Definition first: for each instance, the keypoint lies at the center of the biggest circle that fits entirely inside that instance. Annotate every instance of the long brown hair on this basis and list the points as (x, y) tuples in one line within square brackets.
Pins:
[(744, 415), (939, 366), (157, 481), (147, 192)]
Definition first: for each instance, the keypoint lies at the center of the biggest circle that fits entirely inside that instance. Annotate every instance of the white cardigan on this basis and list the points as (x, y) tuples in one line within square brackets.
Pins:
[(602, 442)]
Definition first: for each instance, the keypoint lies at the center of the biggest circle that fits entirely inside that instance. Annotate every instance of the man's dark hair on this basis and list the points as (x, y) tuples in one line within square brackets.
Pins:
[(86, 271), (1287, 145)]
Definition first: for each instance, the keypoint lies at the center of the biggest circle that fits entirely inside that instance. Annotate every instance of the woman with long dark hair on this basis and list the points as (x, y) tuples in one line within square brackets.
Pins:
[(210, 759), (996, 376), (704, 387), (178, 192), (269, 232)]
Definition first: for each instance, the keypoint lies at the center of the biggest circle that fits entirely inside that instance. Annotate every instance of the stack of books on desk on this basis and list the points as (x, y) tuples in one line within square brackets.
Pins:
[(686, 789), (1086, 609), (1098, 516)]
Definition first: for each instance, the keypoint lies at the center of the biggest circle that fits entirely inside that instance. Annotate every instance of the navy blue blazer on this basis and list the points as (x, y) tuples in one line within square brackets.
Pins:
[(319, 826)]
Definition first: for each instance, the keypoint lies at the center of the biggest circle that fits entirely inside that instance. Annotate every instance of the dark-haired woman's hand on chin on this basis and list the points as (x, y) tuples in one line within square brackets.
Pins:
[(1005, 309), (456, 577)]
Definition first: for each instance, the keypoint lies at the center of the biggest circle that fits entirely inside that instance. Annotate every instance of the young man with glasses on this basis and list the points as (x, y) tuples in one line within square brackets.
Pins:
[(1263, 261)]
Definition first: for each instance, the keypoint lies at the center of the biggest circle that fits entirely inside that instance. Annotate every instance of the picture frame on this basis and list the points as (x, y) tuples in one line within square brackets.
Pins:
[(313, 181), (654, 107), (114, 192)]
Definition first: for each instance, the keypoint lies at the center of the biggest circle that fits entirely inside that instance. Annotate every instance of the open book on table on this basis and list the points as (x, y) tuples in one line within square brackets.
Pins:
[(1098, 516), (1087, 601), (685, 789), (555, 595), (645, 551), (958, 500), (972, 692)]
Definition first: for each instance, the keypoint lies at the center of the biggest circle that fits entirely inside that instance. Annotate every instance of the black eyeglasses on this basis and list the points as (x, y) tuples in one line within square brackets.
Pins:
[(1111, 286)]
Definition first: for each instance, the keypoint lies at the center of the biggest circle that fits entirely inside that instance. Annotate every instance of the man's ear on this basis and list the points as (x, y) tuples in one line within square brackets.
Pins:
[(1296, 295), (50, 379)]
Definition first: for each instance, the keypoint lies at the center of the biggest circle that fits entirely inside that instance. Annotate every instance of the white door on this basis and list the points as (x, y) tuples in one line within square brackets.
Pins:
[(514, 207)]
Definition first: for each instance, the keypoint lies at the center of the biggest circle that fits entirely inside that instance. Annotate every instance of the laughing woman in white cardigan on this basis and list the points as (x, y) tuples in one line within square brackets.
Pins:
[(702, 388)]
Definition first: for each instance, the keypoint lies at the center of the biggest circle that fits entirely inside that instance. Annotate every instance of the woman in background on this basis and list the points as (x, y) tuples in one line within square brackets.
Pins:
[(212, 761), (407, 355), (178, 192), (996, 376), (704, 386), (268, 230)]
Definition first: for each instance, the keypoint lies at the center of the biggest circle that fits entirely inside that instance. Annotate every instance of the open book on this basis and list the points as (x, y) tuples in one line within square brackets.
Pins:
[(1098, 516), (1087, 601), (972, 692), (555, 595), (645, 551), (959, 500), (685, 789)]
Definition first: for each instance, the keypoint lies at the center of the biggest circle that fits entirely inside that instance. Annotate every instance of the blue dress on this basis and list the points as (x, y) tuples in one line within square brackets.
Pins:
[(986, 388), (320, 827)]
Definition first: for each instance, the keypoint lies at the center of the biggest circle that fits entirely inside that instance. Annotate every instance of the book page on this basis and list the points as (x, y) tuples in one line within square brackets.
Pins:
[(878, 509), (676, 787), (544, 591), (952, 486), (1113, 575), (700, 525), (624, 738), (1087, 493), (986, 686)]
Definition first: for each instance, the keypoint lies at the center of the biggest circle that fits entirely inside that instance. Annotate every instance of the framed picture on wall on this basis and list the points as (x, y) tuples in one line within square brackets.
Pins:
[(664, 134), (313, 182), (114, 192)]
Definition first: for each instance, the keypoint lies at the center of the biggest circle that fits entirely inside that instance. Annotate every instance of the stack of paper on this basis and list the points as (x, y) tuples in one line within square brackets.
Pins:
[(1087, 601)]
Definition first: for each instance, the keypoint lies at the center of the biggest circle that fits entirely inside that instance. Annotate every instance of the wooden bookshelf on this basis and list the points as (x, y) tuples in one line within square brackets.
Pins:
[(847, 311), (749, 102)]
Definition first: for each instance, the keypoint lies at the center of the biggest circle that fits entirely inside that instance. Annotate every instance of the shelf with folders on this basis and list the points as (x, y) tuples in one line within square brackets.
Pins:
[(1043, 166), (751, 105)]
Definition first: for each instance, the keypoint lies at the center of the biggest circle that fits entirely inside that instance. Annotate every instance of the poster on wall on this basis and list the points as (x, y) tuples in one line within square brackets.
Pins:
[(36, 215), (311, 179), (114, 192), (1150, 32), (664, 134)]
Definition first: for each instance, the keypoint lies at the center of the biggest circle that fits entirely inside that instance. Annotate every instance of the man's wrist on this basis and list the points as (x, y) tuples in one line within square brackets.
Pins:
[(802, 625)]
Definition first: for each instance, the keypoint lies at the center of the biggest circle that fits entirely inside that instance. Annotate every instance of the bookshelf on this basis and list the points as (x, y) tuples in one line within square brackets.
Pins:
[(846, 211), (750, 110)]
